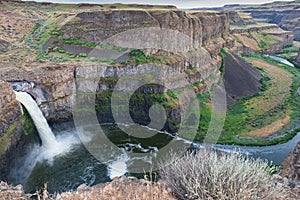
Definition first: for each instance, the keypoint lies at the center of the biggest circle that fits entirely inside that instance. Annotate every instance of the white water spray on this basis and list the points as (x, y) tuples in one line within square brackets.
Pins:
[(118, 167)]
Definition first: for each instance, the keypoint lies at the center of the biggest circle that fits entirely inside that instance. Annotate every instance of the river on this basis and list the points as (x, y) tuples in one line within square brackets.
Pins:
[(281, 60), (78, 166)]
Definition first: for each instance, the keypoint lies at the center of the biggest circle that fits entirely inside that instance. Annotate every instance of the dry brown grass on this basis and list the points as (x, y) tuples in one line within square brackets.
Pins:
[(269, 129), (247, 41), (17, 23), (121, 189), (275, 94), (257, 36)]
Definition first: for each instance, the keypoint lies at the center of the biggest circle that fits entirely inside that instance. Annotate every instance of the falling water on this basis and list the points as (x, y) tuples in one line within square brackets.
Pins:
[(46, 135)]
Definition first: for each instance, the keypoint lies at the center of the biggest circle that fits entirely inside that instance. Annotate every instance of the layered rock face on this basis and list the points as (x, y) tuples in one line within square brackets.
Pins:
[(55, 83), (10, 126), (101, 25), (286, 19), (298, 57), (240, 18), (10, 111), (54, 87), (284, 14), (100, 81), (258, 38)]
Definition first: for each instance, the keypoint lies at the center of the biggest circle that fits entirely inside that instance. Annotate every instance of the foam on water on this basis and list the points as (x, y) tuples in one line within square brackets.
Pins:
[(118, 167)]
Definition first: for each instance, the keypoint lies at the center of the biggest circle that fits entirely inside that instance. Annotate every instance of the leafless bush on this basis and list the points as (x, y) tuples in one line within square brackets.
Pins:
[(208, 175)]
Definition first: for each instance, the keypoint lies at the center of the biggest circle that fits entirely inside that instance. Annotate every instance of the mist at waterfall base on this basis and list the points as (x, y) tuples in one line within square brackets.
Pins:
[(64, 163), (70, 169), (58, 158)]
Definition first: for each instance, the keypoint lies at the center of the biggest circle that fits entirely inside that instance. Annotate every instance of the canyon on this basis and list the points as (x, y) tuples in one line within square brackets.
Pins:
[(61, 53)]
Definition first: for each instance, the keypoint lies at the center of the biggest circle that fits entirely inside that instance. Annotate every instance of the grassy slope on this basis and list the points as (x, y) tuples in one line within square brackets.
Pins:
[(269, 117)]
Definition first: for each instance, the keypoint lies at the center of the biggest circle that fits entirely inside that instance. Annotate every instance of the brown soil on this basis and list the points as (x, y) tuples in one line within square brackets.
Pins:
[(3, 46)]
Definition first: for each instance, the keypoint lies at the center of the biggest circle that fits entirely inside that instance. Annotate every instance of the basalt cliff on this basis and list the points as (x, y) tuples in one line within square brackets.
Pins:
[(53, 83), (284, 14), (57, 51)]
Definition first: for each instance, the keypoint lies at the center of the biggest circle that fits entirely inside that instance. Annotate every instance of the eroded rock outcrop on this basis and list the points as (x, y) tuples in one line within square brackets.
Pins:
[(240, 18), (54, 87), (258, 38), (298, 57), (261, 39), (286, 19), (290, 167), (11, 132), (285, 14), (100, 81), (10, 192), (9, 107)]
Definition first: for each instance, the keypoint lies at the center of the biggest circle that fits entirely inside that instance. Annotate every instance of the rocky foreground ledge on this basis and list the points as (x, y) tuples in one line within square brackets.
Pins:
[(119, 188)]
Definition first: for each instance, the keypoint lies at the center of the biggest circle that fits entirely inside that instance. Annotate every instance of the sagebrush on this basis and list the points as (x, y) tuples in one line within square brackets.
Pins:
[(207, 174)]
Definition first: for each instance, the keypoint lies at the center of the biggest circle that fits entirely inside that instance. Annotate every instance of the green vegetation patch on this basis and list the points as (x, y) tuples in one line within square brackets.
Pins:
[(291, 49), (139, 57), (274, 102), (266, 40), (205, 115), (4, 140), (106, 46), (28, 126)]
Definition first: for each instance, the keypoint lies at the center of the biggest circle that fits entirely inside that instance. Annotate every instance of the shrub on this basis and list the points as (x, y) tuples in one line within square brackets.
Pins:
[(139, 57), (136, 53), (84, 55), (210, 175)]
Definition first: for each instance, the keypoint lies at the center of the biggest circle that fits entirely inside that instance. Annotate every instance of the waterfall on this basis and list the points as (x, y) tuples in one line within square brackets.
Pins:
[(46, 135)]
